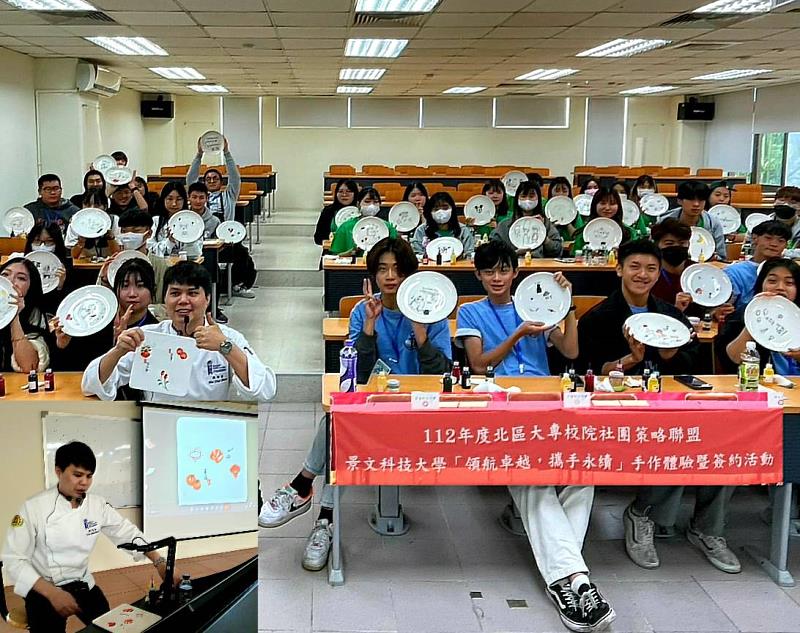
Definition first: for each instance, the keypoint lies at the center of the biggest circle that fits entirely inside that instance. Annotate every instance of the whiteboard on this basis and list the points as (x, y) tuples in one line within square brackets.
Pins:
[(117, 445)]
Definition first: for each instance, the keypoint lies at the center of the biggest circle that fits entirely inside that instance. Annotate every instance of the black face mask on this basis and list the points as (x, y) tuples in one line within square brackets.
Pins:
[(675, 255), (784, 212)]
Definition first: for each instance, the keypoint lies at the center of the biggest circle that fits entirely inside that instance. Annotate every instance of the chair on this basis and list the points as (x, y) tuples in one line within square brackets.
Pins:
[(462, 299), (542, 171), (734, 251), (346, 305), (667, 188), (341, 170), (584, 303), (710, 172), (675, 171), (377, 170), (10, 245)]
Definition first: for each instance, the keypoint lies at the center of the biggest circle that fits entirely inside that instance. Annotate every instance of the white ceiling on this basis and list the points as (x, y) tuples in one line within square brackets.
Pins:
[(295, 47)]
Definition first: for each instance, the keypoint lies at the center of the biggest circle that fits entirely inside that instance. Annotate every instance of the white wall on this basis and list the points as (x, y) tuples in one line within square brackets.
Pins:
[(651, 124), (729, 137), (121, 127), (605, 127)]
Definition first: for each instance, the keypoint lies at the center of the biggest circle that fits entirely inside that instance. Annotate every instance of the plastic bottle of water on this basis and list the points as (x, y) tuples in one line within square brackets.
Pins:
[(348, 361), (749, 368), (603, 259), (185, 589)]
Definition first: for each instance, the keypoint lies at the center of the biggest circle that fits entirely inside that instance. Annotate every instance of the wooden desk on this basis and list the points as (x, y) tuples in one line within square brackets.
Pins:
[(68, 387)]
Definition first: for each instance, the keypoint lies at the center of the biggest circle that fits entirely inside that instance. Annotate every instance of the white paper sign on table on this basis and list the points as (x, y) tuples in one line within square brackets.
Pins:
[(577, 400), (163, 363), (424, 400)]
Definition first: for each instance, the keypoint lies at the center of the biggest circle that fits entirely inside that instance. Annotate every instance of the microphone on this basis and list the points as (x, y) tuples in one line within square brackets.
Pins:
[(186, 325)]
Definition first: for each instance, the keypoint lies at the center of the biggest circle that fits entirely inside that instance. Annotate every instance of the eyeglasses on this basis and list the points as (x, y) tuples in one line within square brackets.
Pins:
[(51, 189)]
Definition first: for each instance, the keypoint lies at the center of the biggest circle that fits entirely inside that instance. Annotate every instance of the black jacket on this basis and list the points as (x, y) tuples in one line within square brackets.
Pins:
[(323, 230), (600, 337)]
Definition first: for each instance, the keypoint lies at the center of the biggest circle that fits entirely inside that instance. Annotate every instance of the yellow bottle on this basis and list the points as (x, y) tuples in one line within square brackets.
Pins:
[(382, 381), (528, 258), (769, 374), (612, 257), (566, 383), (652, 383), (453, 257)]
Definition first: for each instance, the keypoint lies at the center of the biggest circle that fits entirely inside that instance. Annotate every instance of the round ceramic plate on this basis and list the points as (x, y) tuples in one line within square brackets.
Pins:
[(602, 230), (658, 330), (186, 226), (87, 310), (18, 221), (481, 209), (701, 245), (369, 231), (561, 210), (540, 299), (708, 285), (48, 265), (7, 310), (91, 223), (583, 201), (528, 233), (630, 212), (446, 246), (231, 232), (346, 213), (727, 216), (404, 216), (121, 258), (512, 180), (212, 141), (754, 219), (427, 297), (103, 163), (654, 205), (119, 176), (774, 322)]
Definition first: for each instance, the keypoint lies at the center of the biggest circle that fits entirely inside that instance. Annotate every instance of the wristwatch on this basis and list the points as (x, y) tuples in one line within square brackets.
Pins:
[(226, 347)]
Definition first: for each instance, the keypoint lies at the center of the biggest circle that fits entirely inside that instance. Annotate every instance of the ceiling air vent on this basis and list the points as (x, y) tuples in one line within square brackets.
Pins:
[(75, 18), (389, 19)]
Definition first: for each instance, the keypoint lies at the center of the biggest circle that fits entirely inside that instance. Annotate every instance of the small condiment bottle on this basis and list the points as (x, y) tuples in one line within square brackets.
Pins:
[(382, 380), (456, 372), (588, 380), (393, 385), (49, 380), (490, 373), (646, 379), (2, 386), (33, 382), (769, 374), (566, 383), (465, 376), (439, 258), (707, 322), (528, 258), (612, 257), (447, 383), (453, 258), (425, 259)]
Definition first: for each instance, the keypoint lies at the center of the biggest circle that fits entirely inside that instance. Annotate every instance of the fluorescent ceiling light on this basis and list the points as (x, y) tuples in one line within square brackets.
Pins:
[(464, 90), (52, 5), (361, 74), (395, 6), (128, 45), (623, 48), (647, 90), (208, 88), (737, 6), (177, 72), (353, 90), (374, 47), (732, 74), (544, 74)]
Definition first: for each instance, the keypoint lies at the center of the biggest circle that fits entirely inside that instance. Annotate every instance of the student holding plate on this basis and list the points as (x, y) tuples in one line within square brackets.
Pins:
[(606, 203), (369, 203), (92, 179), (23, 342), (720, 193), (441, 221), (383, 336), (222, 203), (692, 200), (344, 195), (496, 192), (88, 247), (560, 187), (528, 203), (48, 239)]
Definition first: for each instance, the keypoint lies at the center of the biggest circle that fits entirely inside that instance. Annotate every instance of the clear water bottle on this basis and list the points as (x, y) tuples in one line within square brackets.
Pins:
[(749, 368), (185, 589), (348, 362), (603, 257)]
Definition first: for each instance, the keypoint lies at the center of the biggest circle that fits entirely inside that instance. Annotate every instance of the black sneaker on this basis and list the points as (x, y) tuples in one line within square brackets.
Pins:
[(568, 605), (596, 612), (221, 316)]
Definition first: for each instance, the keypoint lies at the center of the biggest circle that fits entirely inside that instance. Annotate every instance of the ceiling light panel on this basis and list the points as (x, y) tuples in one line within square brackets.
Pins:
[(128, 45), (732, 74), (647, 90), (546, 74), (353, 90), (464, 90), (361, 74), (208, 88), (623, 48), (737, 6), (52, 5), (374, 47), (178, 72), (395, 6)]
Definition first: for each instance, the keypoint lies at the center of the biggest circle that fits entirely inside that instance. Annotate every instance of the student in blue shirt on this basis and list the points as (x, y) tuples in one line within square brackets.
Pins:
[(555, 521), (380, 333)]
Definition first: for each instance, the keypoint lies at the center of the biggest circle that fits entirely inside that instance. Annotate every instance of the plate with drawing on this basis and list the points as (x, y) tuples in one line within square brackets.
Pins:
[(445, 246), (119, 176), (231, 232), (527, 233), (774, 322), (701, 245), (126, 619), (119, 259), (369, 231), (513, 179), (481, 209), (427, 297), (346, 213), (103, 163), (654, 205), (186, 226), (583, 202), (163, 363), (212, 141), (657, 330), (727, 216), (561, 210), (91, 223), (18, 221), (404, 216), (602, 231), (8, 310), (708, 285), (539, 298), (87, 310), (48, 266), (630, 212), (754, 219)]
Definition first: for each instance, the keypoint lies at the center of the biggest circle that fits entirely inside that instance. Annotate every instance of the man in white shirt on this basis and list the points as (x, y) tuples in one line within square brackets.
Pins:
[(48, 545), (225, 366)]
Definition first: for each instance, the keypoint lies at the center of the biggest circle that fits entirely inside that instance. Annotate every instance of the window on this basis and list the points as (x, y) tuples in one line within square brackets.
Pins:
[(771, 150), (793, 159)]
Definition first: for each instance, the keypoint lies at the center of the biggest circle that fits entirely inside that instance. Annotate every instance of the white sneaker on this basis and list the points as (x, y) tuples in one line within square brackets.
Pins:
[(241, 291), (318, 546), (284, 505)]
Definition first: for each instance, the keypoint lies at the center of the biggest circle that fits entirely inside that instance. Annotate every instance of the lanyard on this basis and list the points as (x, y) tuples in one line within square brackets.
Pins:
[(393, 334), (517, 349)]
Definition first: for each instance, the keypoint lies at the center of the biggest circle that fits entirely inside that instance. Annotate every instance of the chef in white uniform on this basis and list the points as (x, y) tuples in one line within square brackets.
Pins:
[(47, 548), (225, 366)]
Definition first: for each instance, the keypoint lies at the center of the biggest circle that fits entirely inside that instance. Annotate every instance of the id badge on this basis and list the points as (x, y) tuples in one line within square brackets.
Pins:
[(379, 367)]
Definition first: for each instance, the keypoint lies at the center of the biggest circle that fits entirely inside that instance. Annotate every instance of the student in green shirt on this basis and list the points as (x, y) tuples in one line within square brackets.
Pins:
[(496, 191), (528, 202), (606, 203), (369, 202), (560, 186), (441, 220)]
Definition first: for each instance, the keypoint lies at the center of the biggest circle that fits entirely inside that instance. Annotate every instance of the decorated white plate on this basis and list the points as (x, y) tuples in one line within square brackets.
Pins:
[(212, 141), (121, 258), (18, 221), (231, 232), (186, 226), (119, 176), (404, 216), (754, 219), (708, 285), (701, 244), (774, 322), (103, 163), (7, 310), (48, 265), (346, 213), (727, 216), (630, 212), (427, 297), (481, 209), (654, 205), (369, 231), (87, 310), (512, 180), (528, 233), (91, 223), (540, 299), (600, 231), (446, 246), (657, 330), (561, 210), (163, 363), (583, 202)]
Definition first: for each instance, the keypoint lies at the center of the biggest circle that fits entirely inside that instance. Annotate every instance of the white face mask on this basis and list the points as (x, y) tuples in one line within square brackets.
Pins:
[(441, 216), (370, 209), (527, 205), (645, 192), (592, 191), (45, 248), (131, 241)]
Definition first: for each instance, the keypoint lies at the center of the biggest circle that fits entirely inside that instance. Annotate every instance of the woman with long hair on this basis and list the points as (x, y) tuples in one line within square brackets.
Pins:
[(528, 203), (343, 196), (606, 203), (441, 220), (23, 343)]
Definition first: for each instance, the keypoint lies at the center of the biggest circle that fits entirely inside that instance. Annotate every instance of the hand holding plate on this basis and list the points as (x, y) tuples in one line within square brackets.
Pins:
[(531, 328), (722, 312), (61, 273), (62, 339), (637, 348), (562, 281), (794, 354), (682, 301), (129, 340)]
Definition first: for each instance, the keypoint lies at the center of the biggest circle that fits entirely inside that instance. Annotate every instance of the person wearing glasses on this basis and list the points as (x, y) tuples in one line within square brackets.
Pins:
[(50, 208)]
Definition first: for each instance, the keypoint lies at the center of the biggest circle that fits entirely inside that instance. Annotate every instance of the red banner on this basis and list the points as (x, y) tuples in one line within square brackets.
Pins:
[(661, 440)]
